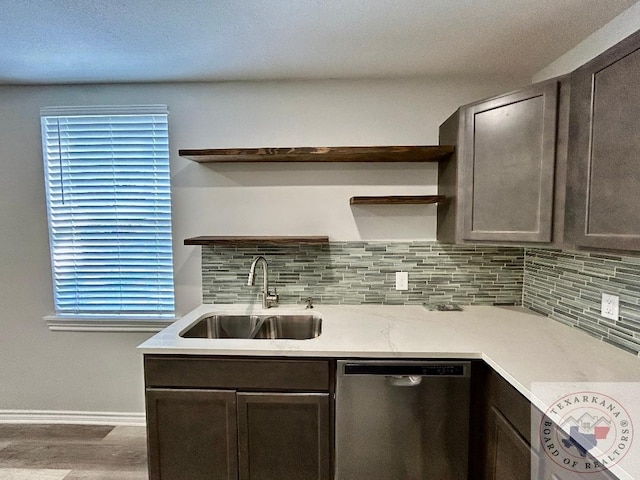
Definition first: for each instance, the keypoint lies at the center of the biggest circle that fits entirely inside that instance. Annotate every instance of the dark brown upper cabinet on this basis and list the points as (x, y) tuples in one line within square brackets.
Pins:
[(603, 203), (505, 183)]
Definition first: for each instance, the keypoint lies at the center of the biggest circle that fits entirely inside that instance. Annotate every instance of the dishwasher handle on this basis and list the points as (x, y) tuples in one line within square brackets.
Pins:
[(404, 380)]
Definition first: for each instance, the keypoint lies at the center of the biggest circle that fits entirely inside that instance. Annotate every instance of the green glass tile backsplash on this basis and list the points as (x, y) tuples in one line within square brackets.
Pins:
[(364, 272)]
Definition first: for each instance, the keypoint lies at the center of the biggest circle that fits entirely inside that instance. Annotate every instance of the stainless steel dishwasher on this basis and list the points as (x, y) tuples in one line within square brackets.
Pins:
[(402, 420)]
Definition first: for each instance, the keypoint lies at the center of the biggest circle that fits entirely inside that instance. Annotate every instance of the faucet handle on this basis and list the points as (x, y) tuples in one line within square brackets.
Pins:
[(309, 301), (272, 299)]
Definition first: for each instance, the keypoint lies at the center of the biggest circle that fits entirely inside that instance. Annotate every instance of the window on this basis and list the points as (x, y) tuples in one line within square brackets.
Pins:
[(109, 207)]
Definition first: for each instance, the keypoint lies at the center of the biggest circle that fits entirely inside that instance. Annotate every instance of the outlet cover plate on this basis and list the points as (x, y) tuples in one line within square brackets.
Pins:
[(402, 280), (609, 306)]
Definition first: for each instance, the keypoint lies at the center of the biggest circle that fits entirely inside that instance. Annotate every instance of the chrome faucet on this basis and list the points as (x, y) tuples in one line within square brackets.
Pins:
[(268, 299)]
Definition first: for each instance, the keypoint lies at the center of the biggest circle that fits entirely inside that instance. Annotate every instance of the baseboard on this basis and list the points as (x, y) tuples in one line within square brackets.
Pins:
[(72, 418)]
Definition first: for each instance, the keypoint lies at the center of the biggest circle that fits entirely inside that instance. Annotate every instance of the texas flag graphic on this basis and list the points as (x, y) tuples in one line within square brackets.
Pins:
[(585, 432)]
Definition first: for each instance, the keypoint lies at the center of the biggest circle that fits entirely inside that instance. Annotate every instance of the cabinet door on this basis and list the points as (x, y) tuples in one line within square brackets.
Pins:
[(192, 434), (283, 436), (508, 454), (604, 150), (508, 164)]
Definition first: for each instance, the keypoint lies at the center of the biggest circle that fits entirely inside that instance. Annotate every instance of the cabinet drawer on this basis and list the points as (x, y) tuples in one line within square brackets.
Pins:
[(237, 373)]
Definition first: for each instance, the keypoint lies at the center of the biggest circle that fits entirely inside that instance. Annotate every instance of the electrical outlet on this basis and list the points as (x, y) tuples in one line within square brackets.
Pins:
[(609, 306), (402, 280)]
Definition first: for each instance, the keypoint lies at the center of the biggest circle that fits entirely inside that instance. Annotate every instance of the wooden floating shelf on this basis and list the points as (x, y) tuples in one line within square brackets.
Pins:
[(398, 200), (433, 153), (253, 240)]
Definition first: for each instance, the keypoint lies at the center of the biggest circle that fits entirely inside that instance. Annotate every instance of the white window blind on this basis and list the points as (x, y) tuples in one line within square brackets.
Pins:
[(108, 195)]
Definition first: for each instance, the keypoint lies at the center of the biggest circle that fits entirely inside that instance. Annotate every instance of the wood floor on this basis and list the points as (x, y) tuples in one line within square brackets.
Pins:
[(72, 452)]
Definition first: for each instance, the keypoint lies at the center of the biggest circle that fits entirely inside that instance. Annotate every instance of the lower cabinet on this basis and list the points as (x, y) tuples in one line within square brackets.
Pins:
[(192, 434), (499, 443), (283, 436), (219, 418), (201, 429), (509, 454), (502, 446)]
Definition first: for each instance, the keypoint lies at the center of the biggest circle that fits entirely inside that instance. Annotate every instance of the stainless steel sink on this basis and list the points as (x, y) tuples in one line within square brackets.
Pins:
[(294, 327)]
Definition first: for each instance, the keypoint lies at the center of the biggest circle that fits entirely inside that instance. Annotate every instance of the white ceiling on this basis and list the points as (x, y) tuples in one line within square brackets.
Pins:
[(80, 41)]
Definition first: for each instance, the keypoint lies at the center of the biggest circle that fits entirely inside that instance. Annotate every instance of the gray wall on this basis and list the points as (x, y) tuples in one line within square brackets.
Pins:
[(101, 372), (617, 29)]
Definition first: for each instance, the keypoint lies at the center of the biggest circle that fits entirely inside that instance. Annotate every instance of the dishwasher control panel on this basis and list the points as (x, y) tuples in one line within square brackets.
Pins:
[(413, 369)]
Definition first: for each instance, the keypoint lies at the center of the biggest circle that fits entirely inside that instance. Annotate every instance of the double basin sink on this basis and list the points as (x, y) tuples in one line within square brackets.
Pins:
[(259, 327)]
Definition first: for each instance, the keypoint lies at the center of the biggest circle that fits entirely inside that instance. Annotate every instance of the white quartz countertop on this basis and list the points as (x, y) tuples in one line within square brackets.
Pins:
[(524, 347)]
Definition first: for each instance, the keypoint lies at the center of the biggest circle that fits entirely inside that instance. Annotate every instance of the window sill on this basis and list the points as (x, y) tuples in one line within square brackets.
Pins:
[(106, 324)]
